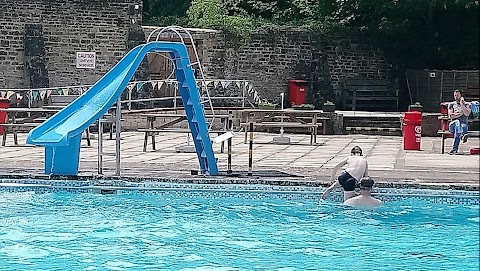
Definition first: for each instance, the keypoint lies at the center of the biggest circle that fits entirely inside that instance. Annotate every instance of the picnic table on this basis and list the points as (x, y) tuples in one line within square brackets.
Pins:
[(33, 118), (286, 118), (152, 131)]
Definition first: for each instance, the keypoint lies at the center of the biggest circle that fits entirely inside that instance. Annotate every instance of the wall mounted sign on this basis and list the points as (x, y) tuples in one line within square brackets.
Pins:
[(86, 60)]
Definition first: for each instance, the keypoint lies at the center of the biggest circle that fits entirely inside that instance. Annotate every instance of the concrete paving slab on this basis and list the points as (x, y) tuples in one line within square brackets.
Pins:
[(388, 162)]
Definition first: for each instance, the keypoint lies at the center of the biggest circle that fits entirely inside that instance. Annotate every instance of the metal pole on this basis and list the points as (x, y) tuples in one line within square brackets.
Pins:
[(229, 145), (129, 98), (118, 129), (282, 95), (100, 146), (174, 98), (229, 157), (244, 86), (250, 151)]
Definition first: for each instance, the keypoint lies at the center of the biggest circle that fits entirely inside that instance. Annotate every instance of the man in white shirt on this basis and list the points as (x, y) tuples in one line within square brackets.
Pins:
[(357, 167), (365, 199), (458, 111)]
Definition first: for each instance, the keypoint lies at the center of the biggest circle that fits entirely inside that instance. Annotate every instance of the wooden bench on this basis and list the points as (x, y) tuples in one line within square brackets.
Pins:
[(444, 120), (361, 128), (173, 119), (55, 103), (445, 134), (61, 101), (13, 127), (369, 94), (312, 128), (152, 132)]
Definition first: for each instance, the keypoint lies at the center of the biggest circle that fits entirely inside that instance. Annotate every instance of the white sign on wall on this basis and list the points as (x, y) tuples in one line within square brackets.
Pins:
[(86, 60)]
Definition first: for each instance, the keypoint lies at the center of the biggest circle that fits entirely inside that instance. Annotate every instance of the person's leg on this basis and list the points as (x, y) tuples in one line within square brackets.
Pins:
[(455, 128), (348, 194), (464, 127), (349, 188)]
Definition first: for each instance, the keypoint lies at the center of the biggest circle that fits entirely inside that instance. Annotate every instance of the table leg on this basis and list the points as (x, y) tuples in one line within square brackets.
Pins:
[(312, 129), (145, 141), (354, 100), (443, 143), (222, 145), (245, 139), (15, 138), (87, 132), (4, 138), (111, 131), (152, 120)]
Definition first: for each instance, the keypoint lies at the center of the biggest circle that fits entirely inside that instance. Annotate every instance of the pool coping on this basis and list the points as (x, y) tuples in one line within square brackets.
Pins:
[(136, 181)]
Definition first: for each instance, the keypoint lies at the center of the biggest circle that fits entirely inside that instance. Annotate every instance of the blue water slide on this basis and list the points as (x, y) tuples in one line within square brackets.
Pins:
[(61, 134)]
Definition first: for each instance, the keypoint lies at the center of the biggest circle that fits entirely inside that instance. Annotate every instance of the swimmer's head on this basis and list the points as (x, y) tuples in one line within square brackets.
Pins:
[(366, 183), (356, 151)]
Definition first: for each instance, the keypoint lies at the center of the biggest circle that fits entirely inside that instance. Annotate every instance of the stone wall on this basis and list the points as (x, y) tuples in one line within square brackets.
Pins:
[(270, 58), (351, 57), (66, 28), (39, 40)]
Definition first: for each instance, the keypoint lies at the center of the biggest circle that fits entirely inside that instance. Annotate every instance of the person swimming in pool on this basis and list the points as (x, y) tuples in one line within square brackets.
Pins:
[(357, 167), (365, 199)]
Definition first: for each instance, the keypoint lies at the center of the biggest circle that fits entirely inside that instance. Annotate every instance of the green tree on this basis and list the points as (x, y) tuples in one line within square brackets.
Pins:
[(440, 34), (165, 12), (213, 14)]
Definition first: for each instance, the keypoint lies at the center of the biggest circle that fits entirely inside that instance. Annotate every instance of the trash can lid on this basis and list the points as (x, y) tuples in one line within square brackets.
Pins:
[(297, 81)]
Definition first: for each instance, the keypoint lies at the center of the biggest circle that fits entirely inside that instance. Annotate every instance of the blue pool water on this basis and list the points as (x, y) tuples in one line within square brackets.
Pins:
[(68, 231)]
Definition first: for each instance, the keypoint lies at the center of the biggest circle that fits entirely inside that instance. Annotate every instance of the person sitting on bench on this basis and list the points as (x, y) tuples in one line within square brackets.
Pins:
[(458, 111)]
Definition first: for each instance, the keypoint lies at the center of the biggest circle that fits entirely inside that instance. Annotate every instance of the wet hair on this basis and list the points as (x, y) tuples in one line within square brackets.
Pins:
[(459, 91), (366, 183), (356, 150)]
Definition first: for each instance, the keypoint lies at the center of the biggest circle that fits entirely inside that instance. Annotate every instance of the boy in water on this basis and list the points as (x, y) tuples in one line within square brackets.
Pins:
[(357, 167), (365, 198)]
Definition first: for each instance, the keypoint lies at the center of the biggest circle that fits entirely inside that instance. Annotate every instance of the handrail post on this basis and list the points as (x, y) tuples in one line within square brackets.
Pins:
[(100, 147), (118, 128), (250, 148), (175, 97), (129, 98)]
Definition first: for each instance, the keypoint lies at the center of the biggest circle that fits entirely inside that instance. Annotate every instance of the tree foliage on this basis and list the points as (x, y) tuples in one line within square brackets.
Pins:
[(213, 14), (440, 34), (165, 12)]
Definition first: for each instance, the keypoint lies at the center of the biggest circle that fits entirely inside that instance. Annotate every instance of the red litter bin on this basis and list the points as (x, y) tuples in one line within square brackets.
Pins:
[(297, 90), (412, 130), (3, 115)]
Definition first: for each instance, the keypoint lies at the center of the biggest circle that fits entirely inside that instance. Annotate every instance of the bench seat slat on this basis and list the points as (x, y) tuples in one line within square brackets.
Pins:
[(20, 124), (180, 130), (284, 124), (375, 98)]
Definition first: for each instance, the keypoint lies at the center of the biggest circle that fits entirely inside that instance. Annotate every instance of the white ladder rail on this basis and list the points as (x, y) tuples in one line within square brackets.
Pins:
[(203, 85)]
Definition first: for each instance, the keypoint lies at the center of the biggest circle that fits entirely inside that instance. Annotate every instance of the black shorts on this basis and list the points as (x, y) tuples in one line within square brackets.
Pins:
[(347, 181)]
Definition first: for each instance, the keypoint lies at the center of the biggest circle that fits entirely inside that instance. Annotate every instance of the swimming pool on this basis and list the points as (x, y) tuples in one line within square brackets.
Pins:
[(184, 229)]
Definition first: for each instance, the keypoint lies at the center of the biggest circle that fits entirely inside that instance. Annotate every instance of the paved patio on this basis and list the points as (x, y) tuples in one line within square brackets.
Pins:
[(388, 162)]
